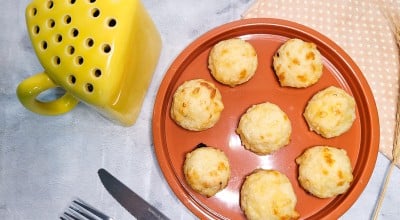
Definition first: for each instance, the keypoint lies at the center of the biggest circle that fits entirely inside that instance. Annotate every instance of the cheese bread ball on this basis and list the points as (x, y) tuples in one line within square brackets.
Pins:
[(233, 61), (207, 170), (325, 171), (196, 105), (264, 128), (268, 194), (330, 112), (297, 64)]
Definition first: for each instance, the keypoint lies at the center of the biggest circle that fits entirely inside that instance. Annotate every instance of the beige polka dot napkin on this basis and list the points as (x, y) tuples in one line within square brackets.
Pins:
[(363, 31)]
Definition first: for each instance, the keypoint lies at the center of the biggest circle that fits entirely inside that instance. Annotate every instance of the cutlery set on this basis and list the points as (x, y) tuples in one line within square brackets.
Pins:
[(132, 202)]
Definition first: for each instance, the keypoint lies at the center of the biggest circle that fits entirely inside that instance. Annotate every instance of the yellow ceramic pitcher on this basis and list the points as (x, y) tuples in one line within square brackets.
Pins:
[(101, 52)]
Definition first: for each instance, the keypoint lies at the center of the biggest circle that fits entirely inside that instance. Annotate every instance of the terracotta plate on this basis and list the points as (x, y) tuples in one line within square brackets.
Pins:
[(266, 35)]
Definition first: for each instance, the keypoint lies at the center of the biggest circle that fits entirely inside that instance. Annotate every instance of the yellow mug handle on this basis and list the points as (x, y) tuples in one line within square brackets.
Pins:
[(29, 89)]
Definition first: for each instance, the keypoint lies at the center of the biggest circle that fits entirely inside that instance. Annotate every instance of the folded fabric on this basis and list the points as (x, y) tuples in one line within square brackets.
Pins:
[(363, 31)]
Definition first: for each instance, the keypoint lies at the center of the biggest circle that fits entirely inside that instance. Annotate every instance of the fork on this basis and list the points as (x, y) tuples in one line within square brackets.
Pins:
[(80, 210)]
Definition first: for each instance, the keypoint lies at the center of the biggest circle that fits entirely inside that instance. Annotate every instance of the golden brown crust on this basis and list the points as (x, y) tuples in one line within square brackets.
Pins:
[(268, 194), (325, 171), (330, 112), (207, 170), (298, 64), (196, 105), (233, 61), (264, 128)]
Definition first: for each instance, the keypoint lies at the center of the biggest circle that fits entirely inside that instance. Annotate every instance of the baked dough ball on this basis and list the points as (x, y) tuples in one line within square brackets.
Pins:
[(325, 171), (330, 112), (264, 128), (298, 64), (207, 170), (232, 62), (268, 194), (196, 105)]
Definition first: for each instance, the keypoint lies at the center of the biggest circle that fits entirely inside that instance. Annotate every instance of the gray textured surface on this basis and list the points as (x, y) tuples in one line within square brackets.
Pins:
[(46, 161)]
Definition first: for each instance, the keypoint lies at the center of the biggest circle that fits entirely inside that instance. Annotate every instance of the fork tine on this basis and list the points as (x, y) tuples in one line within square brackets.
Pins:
[(79, 210), (63, 217), (75, 214), (70, 216), (81, 213), (91, 209)]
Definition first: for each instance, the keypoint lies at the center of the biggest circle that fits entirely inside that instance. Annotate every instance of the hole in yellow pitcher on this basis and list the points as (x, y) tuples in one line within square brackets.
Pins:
[(92, 1), (51, 23), (97, 73), (72, 2), (89, 87), (43, 45), (56, 60), (71, 79), (70, 50), (74, 32), (67, 19), (95, 12), (79, 60), (36, 29), (112, 22), (50, 4), (33, 12), (58, 38), (89, 42), (106, 48)]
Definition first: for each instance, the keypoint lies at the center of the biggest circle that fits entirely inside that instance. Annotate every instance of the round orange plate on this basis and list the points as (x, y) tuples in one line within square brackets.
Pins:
[(266, 35)]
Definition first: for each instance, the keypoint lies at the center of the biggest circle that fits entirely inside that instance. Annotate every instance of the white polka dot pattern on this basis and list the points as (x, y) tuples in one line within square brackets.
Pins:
[(362, 30)]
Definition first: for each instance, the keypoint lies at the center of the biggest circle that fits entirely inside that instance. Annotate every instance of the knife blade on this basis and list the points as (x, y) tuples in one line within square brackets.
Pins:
[(131, 201)]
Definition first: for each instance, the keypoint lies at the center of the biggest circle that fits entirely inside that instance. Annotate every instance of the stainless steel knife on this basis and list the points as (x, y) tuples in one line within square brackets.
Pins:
[(131, 201)]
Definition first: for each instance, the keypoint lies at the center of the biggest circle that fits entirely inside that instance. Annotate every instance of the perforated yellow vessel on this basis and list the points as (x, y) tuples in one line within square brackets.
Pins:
[(102, 52)]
